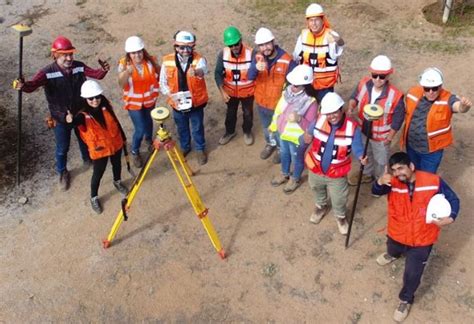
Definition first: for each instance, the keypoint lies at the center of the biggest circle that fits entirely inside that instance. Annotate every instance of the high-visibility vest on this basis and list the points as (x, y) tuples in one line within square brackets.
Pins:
[(341, 155), (380, 127), (269, 84), (407, 217), (315, 53), (141, 90), (197, 85), (236, 83), (101, 141), (438, 122)]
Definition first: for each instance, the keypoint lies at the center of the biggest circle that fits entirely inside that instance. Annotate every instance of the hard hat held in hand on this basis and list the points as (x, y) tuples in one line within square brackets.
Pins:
[(438, 208), (263, 35), (231, 36), (381, 64), (62, 45), (134, 44), (431, 77), (184, 38), (314, 10), (301, 75), (90, 89), (331, 102)]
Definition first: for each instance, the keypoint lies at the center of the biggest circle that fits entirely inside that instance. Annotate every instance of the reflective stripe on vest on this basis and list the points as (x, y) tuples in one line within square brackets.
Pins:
[(141, 91), (236, 81)]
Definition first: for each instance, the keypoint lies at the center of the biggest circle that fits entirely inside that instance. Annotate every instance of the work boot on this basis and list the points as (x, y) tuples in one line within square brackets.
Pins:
[(401, 312), (64, 180), (291, 186), (202, 157), (95, 204), (342, 225), (121, 187), (267, 151), (385, 259), (226, 138), (248, 139), (318, 214), (354, 177), (276, 157), (137, 160), (279, 180)]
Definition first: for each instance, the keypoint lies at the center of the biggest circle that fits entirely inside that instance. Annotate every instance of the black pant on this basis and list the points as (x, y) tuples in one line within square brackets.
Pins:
[(319, 94), (99, 169), (415, 262), (231, 116)]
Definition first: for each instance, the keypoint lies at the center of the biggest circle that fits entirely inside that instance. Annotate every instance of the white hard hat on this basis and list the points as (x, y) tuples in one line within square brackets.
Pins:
[(431, 77), (314, 10), (301, 75), (184, 38), (331, 102), (263, 35), (91, 88), (381, 64), (134, 44), (438, 208)]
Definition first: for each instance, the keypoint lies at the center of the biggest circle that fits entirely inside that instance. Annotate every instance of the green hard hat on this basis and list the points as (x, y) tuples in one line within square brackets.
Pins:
[(231, 36)]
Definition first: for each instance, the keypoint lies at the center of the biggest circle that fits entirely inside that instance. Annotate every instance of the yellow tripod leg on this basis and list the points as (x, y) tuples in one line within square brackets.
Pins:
[(127, 201), (177, 160)]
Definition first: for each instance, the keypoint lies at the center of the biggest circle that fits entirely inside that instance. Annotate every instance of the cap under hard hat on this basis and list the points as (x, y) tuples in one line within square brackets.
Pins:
[(438, 207), (184, 38), (431, 77), (62, 45), (231, 36), (263, 35), (134, 44), (301, 75), (314, 10), (90, 89), (331, 102), (381, 64)]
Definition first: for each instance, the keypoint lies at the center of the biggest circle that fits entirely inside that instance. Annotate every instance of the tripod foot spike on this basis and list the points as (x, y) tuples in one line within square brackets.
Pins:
[(222, 254), (105, 244)]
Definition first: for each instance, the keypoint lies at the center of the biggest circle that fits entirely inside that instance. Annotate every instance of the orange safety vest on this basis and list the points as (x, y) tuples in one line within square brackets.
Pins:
[(341, 155), (380, 127), (197, 85), (407, 218), (141, 90), (236, 83), (438, 123), (101, 142), (269, 84), (315, 53)]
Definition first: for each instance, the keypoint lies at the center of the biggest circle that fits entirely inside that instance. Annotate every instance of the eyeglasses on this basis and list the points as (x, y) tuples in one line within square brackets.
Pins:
[(380, 76), (96, 98), (184, 47), (432, 89)]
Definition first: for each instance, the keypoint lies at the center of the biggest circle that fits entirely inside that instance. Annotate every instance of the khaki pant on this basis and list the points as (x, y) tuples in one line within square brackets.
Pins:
[(378, 154), (338, 192)]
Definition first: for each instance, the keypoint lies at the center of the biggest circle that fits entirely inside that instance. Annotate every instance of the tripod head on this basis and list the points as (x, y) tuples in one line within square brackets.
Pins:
[(160, 115)]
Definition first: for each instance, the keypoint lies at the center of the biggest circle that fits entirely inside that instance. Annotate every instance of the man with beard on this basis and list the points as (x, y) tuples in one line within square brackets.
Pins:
[(409, 192)]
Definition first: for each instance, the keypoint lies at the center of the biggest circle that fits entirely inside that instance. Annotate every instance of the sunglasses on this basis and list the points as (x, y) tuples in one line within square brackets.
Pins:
[(380, 76), (96, 97), (235, 45), (428, 89), (184, 47)]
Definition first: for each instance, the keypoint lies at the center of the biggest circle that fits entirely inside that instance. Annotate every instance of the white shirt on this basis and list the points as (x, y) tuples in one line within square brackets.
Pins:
[(334, 50)]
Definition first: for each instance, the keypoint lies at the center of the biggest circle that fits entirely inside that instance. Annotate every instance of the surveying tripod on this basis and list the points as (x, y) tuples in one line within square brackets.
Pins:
[(183, 172)]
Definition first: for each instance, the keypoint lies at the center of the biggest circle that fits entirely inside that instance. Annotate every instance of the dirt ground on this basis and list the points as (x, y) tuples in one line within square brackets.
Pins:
[(162, 268)]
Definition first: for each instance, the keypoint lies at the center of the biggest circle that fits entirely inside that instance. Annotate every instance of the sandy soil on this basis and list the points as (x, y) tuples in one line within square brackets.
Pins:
[(162, 267)]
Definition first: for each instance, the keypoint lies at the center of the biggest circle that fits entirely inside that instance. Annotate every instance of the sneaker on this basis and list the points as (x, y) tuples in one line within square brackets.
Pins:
[(291, 186), (248, 138), (202, 157), (64, 180), (279, 180), (342, 225), (375, 196), (267, 151), (226, 138), (318, 214), (95, 204), (137, 160), (401, 312), (121, 187), (385, 259), (276, 157), (354, 177)]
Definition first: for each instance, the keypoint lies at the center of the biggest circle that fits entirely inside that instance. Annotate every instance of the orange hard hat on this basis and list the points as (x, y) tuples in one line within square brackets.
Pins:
[(62, 45)]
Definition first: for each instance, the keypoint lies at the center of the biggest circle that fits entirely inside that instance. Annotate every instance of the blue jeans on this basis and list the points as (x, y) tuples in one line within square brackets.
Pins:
[(62, 133), (196, 117), (266, 116), (428, 162), (292, 153), (143, 124)]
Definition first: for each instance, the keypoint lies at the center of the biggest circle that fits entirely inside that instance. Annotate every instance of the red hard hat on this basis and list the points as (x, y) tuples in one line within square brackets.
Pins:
[(62, 45)]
